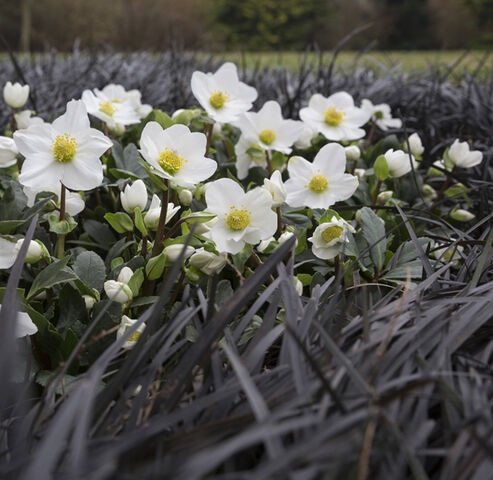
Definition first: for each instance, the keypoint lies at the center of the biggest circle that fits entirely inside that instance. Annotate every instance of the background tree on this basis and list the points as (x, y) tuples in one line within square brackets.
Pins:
[(482, 11)]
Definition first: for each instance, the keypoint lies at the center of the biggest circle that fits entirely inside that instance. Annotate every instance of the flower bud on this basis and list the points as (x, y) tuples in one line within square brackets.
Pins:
[(208, 262), (125, 325), (185, 196), (353, 153), (385, 196), (8, 152), (262, 246), (117, 291), (133, 196), (276, 188), (15, 95), (125, 275), (217, 129), (118, 129), (151, 218), (429, 192), (360, 173), (284, 237), (462, 215), (399, 162), (415, 145), (298, 285), (173, 251), (89, 301), (25, 119), (34, 251)]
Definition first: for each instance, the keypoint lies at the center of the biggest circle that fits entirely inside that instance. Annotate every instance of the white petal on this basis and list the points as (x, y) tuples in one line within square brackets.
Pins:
[(7, 253), (74, 120)]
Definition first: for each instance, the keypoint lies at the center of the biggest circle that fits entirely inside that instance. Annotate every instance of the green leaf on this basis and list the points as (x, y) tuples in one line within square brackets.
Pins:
[(136, 281), (116, 262), (8, 226), (139, 222), (162, 118), (100, 232), (90, 268), (120, 221), (374, 233), (53, 274), (155, 266), (327, 216), (61, 227), (224, 292), (127, 161), (144, 301), (72, 310), (241, 258), (381, 168)]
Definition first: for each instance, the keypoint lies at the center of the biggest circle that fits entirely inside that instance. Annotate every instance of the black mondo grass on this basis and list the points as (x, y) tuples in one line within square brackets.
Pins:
[(364, 381)]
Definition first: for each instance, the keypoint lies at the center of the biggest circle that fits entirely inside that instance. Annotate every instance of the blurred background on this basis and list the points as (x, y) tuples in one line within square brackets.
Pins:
[(246, 25)]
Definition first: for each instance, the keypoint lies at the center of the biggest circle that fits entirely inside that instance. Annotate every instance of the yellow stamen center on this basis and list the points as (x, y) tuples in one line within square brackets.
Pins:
[(267, 136), (447, 256), (64, 148), (218, 99), (107, 108), (238, 219), (334, 117), (170, 161), (331, 233), (318, 183), (134, 337)]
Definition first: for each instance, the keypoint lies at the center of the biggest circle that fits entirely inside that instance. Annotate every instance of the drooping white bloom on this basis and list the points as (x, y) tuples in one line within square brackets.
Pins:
[(399, 162), (176, 154), (221, 94), (25, 120), (262, 246), (415, 145), (298, 285), (205, 227), (9, 249), (248, 154), (322, 183), (462, 215), (269, 129), (125, 324), (8, 152), (125, 275), (241, 217), (185, 196), (461, 156), (353, 153), (305, 139), (329, 238), (381, 115), (335, 117), (89, 301), (34, 251), (74, 203), (208, 262), (151, 218), (66, 151), (111, 106), (118, 290), (284, 237), (173, 252), (24, 325), (15, 95), (134, 196), (275, 187)]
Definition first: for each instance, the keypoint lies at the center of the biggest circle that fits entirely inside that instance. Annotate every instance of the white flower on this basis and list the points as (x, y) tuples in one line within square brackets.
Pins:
[(353, 153), (462, 215), (125, 325), (15, 95), (276, 188), (66, 151), (208, 262), (335, 117), (7, 253), (89, 301), (221, 94), (135, 99), (151, 218), (74, 203), (360, 173), (448, 254), (415, 145), (298, 286), (111, 106), (173, 252), (248, 154), (25, 120), (283, 238), (241, 217), (269, 129), (205, 227), (305, 139), (34, 251), (461, 156), (9, 249), (322, 183), (176, 154), (125, 275), (24, 325), (399, 162), (329, 238), (134, 196), (262, 246), (185, 196), (117, 291), (381, 115), (8, 152)]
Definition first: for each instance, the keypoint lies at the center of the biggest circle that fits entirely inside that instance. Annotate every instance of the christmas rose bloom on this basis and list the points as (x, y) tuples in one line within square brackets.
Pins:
[(399, 162), (335, 117), (151, 218), (15, 95), (125, 325), (381, 115), (65, 151), (248, 154), (8, 152), (461, 156), (24, 325), (276, 188), (221, 94), (9, 249), (176, 154), (134, 196), (322, 183), (241, 217), (269, 129), (329, 238)]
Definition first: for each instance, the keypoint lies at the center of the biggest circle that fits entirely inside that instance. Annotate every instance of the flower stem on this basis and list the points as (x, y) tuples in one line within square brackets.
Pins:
[(61, 237), (158, 240), (372, 132), (269, 164), (279, 221), (13, 125), (376, 192), (209, 127)]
